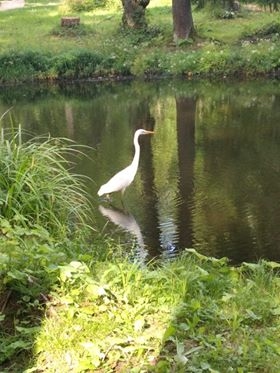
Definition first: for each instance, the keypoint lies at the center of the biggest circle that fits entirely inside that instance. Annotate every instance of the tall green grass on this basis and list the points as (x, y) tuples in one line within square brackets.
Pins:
[(36, 186)]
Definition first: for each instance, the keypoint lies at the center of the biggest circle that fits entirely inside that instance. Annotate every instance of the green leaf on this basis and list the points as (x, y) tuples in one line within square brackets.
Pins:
[(275, 311), (169, 332), (252, 315)]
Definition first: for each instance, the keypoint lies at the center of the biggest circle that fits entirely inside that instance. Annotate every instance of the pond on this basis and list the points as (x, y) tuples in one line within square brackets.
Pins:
[(209, 177)]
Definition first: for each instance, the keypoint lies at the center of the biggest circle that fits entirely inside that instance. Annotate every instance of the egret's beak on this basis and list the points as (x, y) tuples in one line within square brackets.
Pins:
[(149, 132)]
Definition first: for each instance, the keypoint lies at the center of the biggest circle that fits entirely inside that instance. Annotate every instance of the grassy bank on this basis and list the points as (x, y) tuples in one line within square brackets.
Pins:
[(70, 301), (33, 45), (194, 314)]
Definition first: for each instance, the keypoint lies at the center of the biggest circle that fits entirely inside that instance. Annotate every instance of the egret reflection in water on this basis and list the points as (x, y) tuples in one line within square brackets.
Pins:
[(127, 222)]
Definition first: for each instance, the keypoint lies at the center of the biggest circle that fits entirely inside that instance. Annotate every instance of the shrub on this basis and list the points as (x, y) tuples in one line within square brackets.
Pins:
[(76, 64), (150, 64), (183, 62), (22, 65), (214, 61)]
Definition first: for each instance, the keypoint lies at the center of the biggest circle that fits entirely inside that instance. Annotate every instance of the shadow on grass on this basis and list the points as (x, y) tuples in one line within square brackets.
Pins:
[(225, 322), (20, 320)]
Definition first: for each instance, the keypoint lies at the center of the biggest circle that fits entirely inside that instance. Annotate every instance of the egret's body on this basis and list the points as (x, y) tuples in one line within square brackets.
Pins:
[(120, 181)]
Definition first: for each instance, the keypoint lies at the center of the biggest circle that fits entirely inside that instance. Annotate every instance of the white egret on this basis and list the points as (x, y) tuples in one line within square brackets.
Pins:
[(124, 178)]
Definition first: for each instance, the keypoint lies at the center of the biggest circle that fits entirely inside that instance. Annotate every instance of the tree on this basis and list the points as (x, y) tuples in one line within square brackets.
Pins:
[(134, 13), (183, 26)]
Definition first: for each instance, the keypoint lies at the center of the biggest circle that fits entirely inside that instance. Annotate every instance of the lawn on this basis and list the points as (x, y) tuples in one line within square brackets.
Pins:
[(37, 26)]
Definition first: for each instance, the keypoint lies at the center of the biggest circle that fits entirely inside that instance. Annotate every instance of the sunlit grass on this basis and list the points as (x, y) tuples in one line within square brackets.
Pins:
[(230, 31), (45, 16), (152, 52), (159, 3), (189, 313)]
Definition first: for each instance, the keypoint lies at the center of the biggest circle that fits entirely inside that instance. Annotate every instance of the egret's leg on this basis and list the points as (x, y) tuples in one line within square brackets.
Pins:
[(108, 198), (122, 201)]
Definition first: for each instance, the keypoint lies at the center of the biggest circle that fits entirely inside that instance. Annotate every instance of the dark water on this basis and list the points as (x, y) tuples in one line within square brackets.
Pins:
[(209, 177)]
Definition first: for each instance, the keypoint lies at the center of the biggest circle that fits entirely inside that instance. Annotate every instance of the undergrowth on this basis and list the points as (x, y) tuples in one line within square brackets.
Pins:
[(194, 314)]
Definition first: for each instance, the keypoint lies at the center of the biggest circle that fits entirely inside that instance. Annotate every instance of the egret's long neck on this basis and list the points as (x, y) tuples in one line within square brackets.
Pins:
[(136, 157)]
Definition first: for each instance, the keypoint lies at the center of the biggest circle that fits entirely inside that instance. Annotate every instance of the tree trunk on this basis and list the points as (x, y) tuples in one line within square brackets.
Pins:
[(183, 26), (134, 13)]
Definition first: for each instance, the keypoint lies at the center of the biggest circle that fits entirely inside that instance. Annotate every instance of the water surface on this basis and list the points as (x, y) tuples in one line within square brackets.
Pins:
[(208, 178)]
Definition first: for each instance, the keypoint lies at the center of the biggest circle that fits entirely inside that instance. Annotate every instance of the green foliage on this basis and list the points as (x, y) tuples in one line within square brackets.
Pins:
[(152, 64), (27, 255), (26, 65), (34, 181), (43, 210), (76, 64), (192, 314), (141, 36), (261, 58), (184, 63), (253, 57), (123, 298), (30, 260), (268, 32), (220, 9), (214, 61), (232, 331)]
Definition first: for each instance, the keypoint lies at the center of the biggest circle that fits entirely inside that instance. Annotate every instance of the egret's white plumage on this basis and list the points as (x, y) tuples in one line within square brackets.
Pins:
[(124, 178)]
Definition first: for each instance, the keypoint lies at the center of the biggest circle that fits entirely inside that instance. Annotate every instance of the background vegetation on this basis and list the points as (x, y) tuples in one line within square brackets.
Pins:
[(245, 43)]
